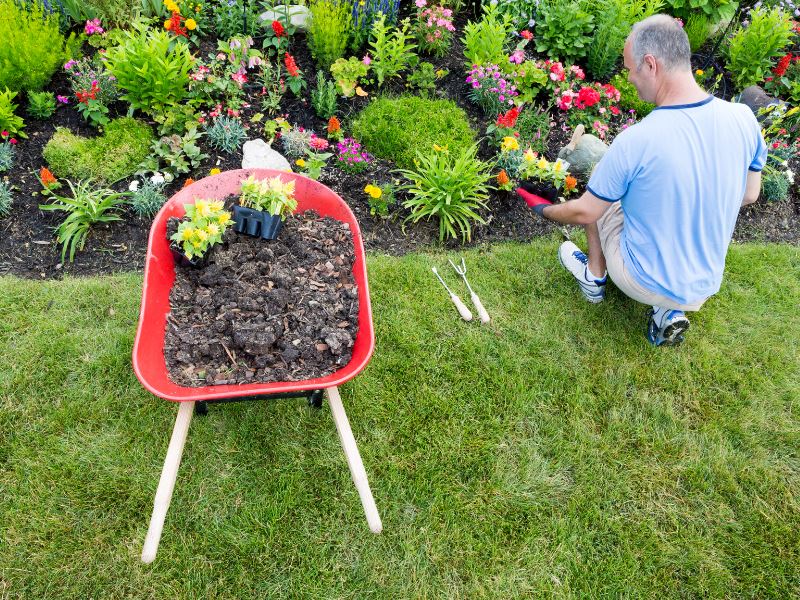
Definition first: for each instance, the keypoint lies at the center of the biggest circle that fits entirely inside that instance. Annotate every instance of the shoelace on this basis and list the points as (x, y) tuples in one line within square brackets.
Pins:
[(581, 257)]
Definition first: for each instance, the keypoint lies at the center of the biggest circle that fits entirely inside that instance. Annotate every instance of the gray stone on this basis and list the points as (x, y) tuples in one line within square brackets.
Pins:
[(755, 99), (298, 15), (583, 152), (259, 155)]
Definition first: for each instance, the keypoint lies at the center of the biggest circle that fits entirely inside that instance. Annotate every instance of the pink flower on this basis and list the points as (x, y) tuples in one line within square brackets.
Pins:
[(517, 57), (69, 64), (62, 99), (240, 78), (13, 141), (420, 3), (4, 133), (92, 27), (367, 60)]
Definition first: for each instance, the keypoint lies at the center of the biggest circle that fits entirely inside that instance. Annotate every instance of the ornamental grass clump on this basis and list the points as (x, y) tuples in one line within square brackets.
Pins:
[(202, 228), (273, 196), (449, 187), (227, 134)]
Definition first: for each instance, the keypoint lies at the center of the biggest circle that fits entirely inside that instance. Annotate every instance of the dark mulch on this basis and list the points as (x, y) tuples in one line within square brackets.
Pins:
[(27, 247), (266, 311)]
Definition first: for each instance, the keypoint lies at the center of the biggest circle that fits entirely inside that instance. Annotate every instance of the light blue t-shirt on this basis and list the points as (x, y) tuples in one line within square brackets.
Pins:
[(680, 175)]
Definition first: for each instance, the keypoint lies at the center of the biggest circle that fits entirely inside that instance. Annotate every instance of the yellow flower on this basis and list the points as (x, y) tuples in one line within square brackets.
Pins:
[(530, 155), (300, 163), (187, 233), (509, 143), (224, 218), (197, 8), (167, 24), (699, 72), (212, 229), (216, 205), (542, 164), (791, 111), (191, 24), (213, 171), (201, 235), (202, 208), (558, 166), (439, 148), (171, 6), (373, 191)]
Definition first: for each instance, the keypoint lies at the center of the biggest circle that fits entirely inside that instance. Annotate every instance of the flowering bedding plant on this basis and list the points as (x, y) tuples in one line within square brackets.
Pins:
[(272, 195), (539, 169), (434, 28), (490, 89), (94, 88), (187, 20), (785, 78), (350, 157), (203, 227)]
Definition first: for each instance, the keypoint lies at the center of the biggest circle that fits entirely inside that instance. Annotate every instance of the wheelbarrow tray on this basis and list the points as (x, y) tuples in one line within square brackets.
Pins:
[(149, 363)]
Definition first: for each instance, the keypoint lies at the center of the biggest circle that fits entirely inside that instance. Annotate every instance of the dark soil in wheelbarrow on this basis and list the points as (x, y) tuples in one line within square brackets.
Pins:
[(265, 311)]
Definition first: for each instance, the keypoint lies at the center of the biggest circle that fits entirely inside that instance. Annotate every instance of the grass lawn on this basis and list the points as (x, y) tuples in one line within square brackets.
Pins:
[(552, 453)]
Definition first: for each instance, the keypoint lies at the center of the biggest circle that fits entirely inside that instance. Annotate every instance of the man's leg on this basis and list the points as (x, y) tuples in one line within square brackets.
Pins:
[(589, 271)]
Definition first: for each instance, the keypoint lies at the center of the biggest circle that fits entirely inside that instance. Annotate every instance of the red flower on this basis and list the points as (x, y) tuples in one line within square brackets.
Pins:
[(334, 125), (614, 110), (175, 25), (291, 66), (780, 69), (47, 177), (587, 97), (508, 119), (278, 29), (526, 34)]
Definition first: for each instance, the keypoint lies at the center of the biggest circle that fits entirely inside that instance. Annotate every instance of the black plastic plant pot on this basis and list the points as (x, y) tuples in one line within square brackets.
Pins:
[(184, 261), (545, 190), (256, 223)]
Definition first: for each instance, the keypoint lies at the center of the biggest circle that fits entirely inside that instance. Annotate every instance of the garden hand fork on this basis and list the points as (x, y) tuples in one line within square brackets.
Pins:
[(484, 316), (460, 306)]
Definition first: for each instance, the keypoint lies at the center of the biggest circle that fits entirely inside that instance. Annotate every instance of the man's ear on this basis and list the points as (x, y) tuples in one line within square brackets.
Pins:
[(650, 61)]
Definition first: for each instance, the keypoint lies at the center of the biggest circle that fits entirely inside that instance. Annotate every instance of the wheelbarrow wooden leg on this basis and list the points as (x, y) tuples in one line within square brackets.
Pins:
[(354, 459), (167, 482)]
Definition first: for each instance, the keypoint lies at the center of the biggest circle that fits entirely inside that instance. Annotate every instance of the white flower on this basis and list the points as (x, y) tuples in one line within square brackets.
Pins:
[(532, 22), (168, 177), (134, 185), (790, 175), (157, 179)]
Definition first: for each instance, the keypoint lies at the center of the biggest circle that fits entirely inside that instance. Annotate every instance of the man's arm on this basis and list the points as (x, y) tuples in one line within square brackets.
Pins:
[(582, 211), (753, 187)]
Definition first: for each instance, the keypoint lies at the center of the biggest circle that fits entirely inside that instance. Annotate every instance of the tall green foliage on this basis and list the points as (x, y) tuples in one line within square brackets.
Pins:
[(329, 30), (716, 10), (753, 47), (484, 41), (153, 72), (392, 50), (31, 45), (698, 29), (612, 24), (564, 30)]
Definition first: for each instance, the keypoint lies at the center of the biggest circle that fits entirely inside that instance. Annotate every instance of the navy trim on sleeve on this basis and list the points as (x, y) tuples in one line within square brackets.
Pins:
[(693, 105), (754, 170), (588, 189)]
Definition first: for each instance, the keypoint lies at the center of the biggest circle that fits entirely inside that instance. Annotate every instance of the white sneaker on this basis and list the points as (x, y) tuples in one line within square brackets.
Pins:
[(577, 263)]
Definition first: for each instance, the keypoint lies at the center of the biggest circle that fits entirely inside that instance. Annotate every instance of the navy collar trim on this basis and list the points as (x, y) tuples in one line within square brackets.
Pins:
[(678, 106)]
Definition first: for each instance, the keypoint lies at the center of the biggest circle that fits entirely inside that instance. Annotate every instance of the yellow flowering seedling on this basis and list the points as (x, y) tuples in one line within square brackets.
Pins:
[(273, 196), (205, 223), (540, 169)]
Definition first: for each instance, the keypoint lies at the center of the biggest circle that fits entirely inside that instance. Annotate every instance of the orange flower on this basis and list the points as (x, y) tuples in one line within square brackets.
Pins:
[(569, 183), (334, 125), (189, 181), (47, 177), (502, 177)]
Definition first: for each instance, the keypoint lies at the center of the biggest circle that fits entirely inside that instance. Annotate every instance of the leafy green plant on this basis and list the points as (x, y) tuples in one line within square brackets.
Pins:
[(397, 128), (698, 29), (94, 87), (107, 158), (202, 228), (31, 45), (775, 184), (9, 120), (273, 86), (329, 30), (85, 206), (6, 198), (716, 10), (753, 46), (236, 17), (391, 52), (519, 11), (270, 195), (612, 24), (533, 125), (115, 12), (347, 74), (323, 97), (629, 98), (147, 198), (296, 142), (312, 165), (175, 154), (485, 41), (448, 186), (423, 78), (227, 134), (379, 198), (563, 30), (152, 70), (41, 105), (365, 12)]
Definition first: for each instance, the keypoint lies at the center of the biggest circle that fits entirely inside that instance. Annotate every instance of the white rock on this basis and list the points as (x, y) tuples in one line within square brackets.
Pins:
[(298, 15), (259, 155)]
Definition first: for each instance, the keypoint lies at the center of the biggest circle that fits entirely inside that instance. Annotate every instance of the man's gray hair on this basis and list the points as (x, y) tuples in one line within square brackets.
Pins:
[(664, 38)]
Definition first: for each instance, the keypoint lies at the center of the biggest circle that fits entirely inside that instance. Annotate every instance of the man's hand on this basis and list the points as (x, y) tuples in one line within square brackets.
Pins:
[(537, 203)]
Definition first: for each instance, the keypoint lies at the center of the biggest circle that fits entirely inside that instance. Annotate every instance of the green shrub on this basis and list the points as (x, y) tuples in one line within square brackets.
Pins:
[(563, 30), (323, 97), (397, 128), (148, 199), (31, 45), (716, 10), (391, 50), (629, 97), (9, 120), (448, 185), (484, 41), (107, 158), (329, 30), (753, 47), (118, 13), (41, 105), (775, 184), (152, 70), (227, 134), (698, 30)]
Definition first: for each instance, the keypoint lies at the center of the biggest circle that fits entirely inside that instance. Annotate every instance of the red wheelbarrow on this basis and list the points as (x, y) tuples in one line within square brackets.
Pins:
[(148, 349)]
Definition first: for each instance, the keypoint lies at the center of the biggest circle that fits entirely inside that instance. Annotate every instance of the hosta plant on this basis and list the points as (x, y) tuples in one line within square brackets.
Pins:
[(449, 188), (85, 206)]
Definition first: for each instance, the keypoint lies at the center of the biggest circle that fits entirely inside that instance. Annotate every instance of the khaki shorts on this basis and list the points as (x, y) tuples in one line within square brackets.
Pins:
[(610, 228)]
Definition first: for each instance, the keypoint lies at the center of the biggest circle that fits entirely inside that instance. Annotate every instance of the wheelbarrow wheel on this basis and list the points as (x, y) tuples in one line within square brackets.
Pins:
[(315, 399)]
